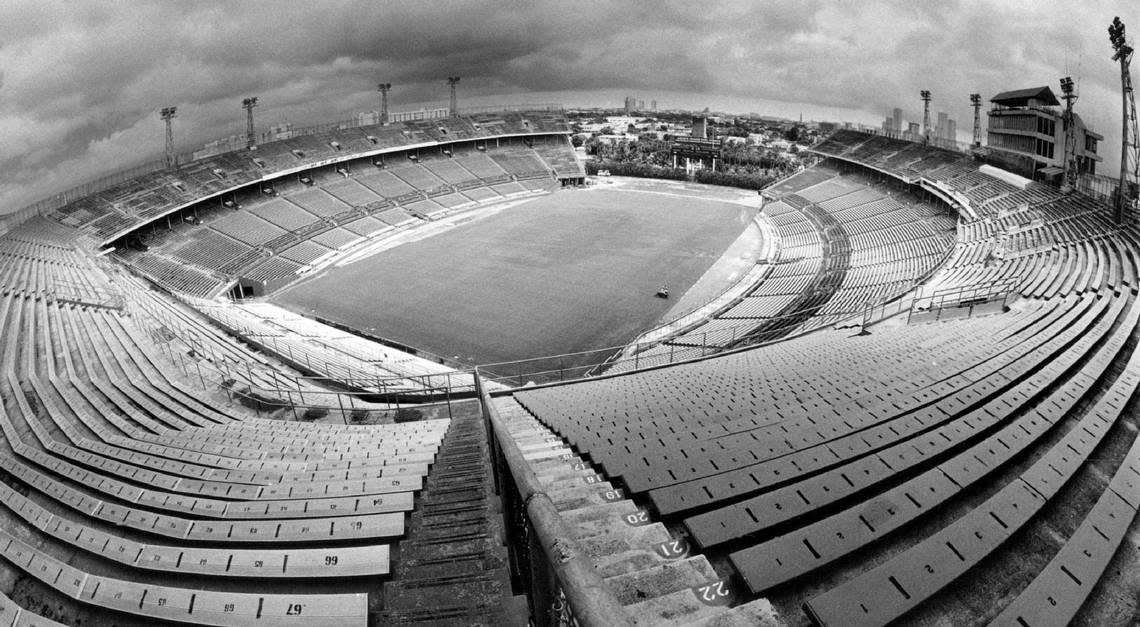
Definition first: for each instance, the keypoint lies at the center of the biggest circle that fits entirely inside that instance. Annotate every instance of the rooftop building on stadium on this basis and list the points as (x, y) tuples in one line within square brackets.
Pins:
[(1026, 134)]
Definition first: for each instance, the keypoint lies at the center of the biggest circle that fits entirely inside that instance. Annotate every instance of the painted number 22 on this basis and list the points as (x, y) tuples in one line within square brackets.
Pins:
[(715, 593)]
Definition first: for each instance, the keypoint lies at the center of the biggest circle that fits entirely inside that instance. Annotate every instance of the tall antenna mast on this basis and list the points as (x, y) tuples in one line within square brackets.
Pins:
[(925, 114), (976, 102), (167, 115), (1129, 137), (1069, 169)]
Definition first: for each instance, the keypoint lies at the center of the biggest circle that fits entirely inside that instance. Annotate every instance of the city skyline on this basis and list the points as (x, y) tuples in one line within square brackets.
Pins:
[(82, 84)]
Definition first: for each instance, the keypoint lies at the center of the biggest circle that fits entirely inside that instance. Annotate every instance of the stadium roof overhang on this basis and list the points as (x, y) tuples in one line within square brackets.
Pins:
[(909, 180), (1021, 97), (947, 194), (1018, 181), (269, 176), (1084, 127)]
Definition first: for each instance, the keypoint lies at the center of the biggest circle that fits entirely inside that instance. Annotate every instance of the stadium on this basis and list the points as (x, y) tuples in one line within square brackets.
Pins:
[(425, 370)]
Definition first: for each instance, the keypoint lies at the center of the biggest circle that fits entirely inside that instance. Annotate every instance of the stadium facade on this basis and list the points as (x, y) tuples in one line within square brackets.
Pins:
[(1027, 135)]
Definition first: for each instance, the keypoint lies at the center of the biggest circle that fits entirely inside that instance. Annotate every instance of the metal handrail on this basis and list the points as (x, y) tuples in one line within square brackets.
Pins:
[(591, 602)]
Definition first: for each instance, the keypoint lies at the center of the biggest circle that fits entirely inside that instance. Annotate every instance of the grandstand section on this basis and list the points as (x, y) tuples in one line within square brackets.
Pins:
[(864, 475), (914, 401), (130, 491), (268, 234), (111, 214), (844, 243)]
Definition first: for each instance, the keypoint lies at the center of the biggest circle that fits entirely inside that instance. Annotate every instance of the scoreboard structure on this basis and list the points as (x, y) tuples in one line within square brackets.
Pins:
[(694, 151)]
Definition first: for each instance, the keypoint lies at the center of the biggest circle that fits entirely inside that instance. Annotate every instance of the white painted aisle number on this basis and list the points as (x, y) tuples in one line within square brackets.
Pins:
[(714, 593), (637, 519), (672, 549)]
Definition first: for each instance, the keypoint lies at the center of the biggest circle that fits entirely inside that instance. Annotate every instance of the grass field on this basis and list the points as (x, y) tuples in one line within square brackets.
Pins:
[(568, 272)]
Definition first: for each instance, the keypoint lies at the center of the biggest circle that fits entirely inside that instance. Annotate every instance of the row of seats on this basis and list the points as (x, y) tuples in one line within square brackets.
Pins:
[(356, 561), (791, 555), (105, 462), (939, 559), (181, 604)]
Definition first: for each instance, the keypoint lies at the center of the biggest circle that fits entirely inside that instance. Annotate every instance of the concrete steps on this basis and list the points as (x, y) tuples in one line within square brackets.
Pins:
[(648, 570), (452, 568)]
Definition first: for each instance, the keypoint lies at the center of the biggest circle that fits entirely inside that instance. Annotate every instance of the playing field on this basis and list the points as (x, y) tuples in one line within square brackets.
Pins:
[(567, 272)]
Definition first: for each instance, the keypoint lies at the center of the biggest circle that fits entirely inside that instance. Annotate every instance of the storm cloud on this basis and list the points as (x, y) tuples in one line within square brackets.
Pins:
[(81, 82)]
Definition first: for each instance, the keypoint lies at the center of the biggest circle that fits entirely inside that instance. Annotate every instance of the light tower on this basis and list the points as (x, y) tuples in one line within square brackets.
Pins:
[(453, 81), (383, 89), (1129, 137), (976, 102), (925, 115), (248, 104), (1069, 167), (167, 115)]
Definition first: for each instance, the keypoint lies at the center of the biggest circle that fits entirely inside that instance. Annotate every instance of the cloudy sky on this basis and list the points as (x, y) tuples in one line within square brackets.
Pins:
[(81, 82)]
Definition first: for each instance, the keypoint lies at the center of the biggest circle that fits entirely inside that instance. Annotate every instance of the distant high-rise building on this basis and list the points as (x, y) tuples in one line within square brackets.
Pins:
[(641, 105), (629, 104), (700, 128), (940, 126), (951, 132), (893, 124), (653, 105), (364, 118)]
